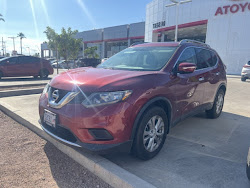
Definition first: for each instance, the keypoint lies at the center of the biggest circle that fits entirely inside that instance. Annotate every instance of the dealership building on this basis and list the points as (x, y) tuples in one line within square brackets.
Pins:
[(223, 24)]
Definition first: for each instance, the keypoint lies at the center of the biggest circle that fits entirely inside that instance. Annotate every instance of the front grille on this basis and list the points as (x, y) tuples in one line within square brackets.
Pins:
[(61, 92), (61, 132), (77, 100)]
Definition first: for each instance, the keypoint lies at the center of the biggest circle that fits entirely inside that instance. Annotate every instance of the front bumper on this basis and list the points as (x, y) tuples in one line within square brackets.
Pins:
[(95, 148)]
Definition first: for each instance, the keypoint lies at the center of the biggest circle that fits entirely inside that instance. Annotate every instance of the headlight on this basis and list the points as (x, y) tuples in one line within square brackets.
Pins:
[(103, 98), (46, 88)]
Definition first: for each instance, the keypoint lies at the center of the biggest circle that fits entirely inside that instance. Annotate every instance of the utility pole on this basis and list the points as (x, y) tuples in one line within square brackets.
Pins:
[(2, 46), (177, 4), (13, 41)]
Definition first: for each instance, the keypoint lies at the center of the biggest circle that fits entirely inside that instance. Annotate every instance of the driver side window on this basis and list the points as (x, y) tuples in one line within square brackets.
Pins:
[(12, 61), (188, 56)]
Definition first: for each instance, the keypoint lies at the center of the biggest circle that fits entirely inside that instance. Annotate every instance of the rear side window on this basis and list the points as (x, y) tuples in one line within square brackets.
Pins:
[(214, 60), (27, 60), (204, 58), (12, 60), (188, 56)]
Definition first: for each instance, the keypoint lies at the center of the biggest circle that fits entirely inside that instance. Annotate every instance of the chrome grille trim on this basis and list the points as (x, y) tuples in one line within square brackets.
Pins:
[(65, 100)]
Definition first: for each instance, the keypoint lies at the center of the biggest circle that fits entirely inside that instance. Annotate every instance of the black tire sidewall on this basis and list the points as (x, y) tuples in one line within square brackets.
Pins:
[(243, 79), (212, 113), (139, 148)]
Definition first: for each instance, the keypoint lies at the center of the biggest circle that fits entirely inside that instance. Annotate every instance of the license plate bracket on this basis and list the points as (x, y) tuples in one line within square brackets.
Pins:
[(50, 118)]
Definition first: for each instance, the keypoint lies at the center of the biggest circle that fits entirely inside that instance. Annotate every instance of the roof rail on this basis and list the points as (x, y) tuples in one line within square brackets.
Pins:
[(193, 41), (136, 43)]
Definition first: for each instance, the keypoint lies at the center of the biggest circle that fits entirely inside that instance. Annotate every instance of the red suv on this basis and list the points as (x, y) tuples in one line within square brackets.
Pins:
[(25, 66), (132, 100)]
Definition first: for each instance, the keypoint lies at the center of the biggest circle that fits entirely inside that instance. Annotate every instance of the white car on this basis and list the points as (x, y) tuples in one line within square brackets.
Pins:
[(245, 73)]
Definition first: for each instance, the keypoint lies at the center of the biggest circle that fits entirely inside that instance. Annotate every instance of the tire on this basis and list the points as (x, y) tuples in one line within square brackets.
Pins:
[(216, 110), (44, 74), (243, 79), (141, 148)]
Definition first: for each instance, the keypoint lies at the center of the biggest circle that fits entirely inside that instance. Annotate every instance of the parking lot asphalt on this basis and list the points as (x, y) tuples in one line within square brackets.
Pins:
[(198, 152)]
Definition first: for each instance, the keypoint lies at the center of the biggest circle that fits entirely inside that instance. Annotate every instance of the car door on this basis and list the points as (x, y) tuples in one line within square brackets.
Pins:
[(12, 68), (189, 86), (206, 64), (28, 64), (214, 77)]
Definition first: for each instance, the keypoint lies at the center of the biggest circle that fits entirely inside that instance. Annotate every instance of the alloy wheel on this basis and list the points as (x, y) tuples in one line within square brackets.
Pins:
[(153, 133)]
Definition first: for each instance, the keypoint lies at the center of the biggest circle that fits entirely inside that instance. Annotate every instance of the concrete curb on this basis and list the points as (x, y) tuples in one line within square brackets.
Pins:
[(24, 85), (10, 93), (103, 168)]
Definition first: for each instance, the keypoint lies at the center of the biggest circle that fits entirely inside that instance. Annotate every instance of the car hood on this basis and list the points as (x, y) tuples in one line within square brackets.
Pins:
[(98, 79)]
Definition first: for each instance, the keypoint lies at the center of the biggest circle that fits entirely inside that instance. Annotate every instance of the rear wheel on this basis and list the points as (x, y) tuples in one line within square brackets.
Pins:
[(243, 79), (217, 106), (44, 74), (151, 134)]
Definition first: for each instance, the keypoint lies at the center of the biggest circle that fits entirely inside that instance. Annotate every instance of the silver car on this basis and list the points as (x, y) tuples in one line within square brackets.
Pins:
[(245, 73)]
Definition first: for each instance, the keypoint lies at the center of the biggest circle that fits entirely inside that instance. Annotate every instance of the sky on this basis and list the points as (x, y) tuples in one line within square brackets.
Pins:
[(31, 17)]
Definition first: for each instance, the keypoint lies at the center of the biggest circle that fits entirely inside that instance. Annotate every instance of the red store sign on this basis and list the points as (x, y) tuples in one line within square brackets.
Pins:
[(241, 7)]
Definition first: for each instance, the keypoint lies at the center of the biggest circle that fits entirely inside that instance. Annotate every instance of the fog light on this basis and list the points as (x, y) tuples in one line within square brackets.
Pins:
[(100, 134)]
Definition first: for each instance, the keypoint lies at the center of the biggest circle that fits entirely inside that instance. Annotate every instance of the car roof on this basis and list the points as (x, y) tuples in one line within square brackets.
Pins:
[(157, 44), (173, 44)]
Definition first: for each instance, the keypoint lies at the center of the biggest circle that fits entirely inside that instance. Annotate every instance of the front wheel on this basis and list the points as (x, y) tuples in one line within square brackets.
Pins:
[(151, 134), (217, 106), (243, 79)]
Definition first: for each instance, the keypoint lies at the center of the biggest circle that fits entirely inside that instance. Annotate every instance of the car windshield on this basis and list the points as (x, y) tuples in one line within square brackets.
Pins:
[(4, 59), (140, 58)]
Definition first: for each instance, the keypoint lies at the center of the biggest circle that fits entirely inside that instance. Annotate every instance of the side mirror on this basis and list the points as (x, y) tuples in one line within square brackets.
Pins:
[(186, 67)]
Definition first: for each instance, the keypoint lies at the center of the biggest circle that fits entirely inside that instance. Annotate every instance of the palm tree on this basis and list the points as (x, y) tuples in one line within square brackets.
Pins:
[(21, 36), (1, 19)]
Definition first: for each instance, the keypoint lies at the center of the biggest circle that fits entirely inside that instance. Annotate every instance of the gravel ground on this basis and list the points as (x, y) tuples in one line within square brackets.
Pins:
[(26, 160)]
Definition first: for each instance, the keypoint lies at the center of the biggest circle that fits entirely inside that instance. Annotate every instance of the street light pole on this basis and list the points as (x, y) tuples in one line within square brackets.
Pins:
[(177, 4)]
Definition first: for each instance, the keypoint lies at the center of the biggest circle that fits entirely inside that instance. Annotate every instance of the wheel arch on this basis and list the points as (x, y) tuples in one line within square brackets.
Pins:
[(162, 102)]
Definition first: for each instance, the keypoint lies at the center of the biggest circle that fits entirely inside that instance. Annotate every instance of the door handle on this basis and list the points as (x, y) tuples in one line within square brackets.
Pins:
[(201, 79)]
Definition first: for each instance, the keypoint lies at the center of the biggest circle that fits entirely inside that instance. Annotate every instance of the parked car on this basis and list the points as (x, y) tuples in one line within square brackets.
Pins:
[(104, 59), (88, 62), (245, 73), (53, 61), (64, 64), (25, 66), (132, 100)]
